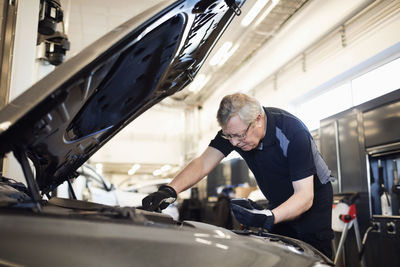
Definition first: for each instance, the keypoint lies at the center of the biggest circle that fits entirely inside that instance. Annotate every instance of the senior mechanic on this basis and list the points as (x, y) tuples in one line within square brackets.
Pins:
[(281, 153)]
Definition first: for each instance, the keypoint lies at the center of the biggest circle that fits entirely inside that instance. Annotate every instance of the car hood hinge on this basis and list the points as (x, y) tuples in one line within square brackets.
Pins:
[(33, 187), (232, 5)]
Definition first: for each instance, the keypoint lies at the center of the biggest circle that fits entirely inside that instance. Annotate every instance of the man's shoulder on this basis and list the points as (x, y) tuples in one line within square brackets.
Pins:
[(286, 122), (274, 110), (221, 144)]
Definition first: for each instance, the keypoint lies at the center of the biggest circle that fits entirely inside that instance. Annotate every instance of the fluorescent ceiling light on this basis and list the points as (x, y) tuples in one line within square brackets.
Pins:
[(162, 170), (166, 167), (228, 55), (157, 172), (134, 169), (267, 11), (220, 53), (258, 6), (198, 83)]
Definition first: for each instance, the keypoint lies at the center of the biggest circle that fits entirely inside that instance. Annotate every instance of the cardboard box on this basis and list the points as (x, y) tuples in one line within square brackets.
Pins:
[(243, 192)]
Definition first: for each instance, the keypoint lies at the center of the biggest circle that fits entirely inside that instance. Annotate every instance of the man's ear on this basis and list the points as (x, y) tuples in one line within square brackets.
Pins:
[(259, 120)]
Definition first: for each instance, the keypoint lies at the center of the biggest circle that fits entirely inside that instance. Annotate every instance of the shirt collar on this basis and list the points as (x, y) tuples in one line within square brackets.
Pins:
[(269, 131), (261, 144)]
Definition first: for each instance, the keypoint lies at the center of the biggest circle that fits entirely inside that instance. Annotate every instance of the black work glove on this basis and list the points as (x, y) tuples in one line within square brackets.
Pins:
[(248, 213), (159, 200)]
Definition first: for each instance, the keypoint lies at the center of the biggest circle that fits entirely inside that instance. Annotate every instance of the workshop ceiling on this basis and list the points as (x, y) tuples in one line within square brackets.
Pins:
[(245, 42), (90, 19)]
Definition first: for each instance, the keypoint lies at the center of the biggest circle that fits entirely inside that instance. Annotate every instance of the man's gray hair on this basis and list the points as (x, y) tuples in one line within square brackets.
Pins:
[(240, 104)]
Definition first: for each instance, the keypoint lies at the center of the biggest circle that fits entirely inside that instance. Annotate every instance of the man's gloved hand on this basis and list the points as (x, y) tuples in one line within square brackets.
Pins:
[(159, 200), (248, 213)]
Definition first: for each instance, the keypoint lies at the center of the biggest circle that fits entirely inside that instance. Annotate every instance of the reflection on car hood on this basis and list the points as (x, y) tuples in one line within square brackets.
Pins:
[(147, 239), (67, 116)]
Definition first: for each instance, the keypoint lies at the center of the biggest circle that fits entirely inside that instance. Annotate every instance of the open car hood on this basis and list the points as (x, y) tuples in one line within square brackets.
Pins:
[(67, 116)]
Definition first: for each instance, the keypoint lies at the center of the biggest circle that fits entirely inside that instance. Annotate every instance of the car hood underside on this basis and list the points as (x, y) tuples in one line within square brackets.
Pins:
[(66, 117)]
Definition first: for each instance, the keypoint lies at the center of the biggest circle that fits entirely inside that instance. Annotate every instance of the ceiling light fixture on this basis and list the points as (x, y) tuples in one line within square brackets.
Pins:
[(219, 55), (198, 83), (267, 11), (157, 172), (166, 167), (258, 6), (134, 169), (228, 55)]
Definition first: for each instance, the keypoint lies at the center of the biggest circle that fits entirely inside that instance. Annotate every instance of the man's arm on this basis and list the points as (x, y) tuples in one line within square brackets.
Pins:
[(298, 203), (190, 175), (197, 169)]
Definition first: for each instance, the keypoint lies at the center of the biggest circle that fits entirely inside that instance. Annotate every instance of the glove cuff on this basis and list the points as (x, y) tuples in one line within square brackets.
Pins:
[(169, 190), (269, 221)]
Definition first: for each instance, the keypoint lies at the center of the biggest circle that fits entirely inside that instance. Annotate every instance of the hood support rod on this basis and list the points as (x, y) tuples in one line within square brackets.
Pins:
[(33, 187)]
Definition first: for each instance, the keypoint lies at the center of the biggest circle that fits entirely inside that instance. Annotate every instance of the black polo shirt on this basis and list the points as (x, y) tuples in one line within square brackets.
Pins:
[(287, 154)]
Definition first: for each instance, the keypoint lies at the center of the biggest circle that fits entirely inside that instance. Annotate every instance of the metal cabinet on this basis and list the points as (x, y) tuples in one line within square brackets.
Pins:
[(361, 146), (382, 125), (329, 150)]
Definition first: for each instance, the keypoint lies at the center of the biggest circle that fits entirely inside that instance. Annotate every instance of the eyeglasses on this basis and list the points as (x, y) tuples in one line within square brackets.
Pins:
[(240, 137)]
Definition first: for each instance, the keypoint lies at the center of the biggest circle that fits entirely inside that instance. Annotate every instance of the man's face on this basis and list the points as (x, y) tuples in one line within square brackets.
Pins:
[(242, 135)]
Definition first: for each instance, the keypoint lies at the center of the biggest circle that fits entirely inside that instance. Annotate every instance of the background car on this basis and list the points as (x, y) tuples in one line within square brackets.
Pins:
[(94, 187)]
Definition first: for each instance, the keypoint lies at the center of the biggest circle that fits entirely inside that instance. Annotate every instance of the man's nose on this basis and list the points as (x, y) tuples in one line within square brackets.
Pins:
[(234, 141)]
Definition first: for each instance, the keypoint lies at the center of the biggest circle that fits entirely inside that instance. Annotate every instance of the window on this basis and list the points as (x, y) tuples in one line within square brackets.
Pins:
[(377, 82), (370, 85), (325, 105)]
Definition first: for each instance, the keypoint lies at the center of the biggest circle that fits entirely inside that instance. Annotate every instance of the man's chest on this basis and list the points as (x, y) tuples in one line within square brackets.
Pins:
[(270, 161)]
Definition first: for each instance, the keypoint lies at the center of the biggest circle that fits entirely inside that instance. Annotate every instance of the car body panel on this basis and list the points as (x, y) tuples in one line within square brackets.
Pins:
[(92, 242)]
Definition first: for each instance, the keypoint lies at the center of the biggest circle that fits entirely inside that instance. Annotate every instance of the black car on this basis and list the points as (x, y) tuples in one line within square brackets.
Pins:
[(62, 120)]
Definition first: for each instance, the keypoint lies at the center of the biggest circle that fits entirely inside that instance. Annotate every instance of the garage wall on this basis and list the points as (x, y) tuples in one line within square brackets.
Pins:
[(22, 66), (154, 137), (88, 20), (22, 74)]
